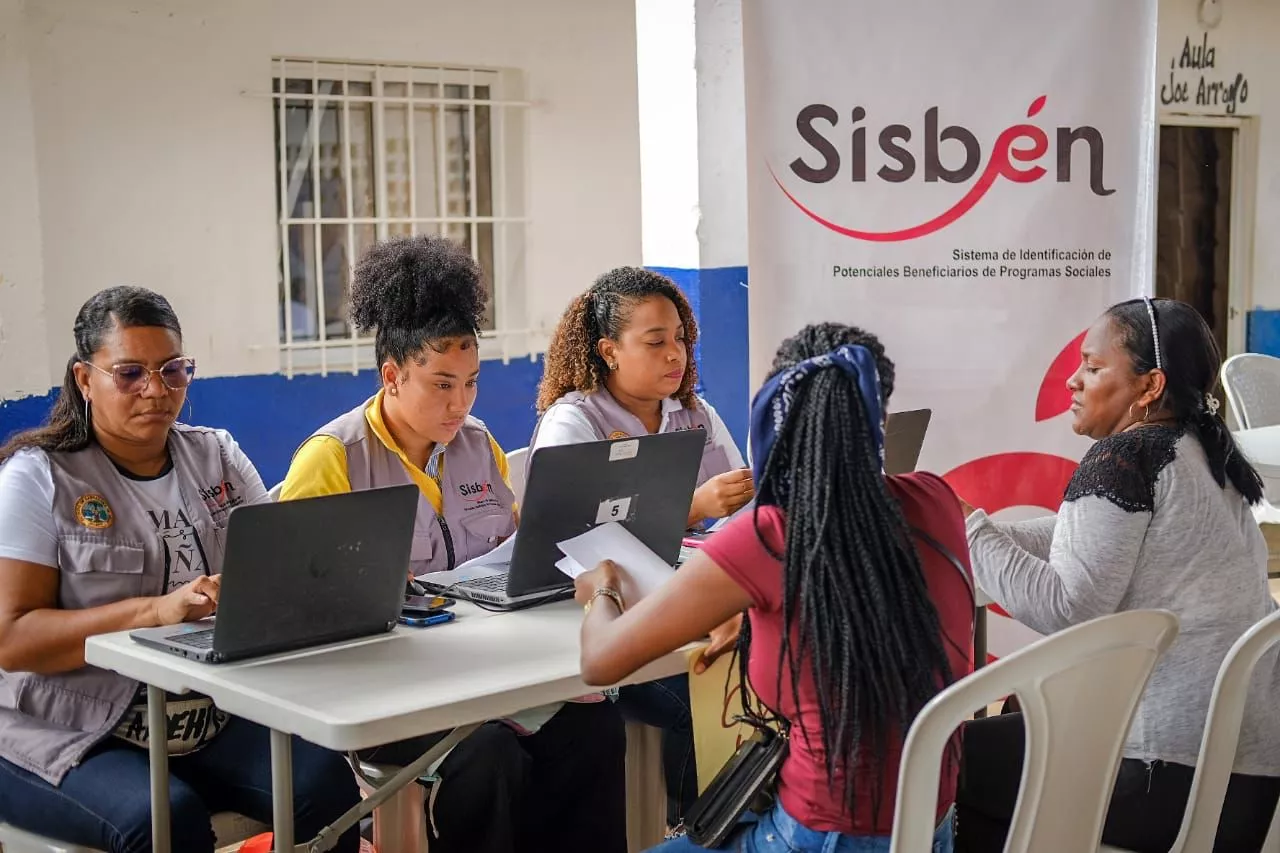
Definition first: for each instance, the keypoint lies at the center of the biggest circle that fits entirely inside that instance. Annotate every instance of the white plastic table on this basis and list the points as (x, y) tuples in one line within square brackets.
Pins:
[(363, 693)]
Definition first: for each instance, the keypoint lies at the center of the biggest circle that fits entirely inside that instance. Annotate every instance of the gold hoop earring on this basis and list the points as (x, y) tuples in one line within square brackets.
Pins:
[(1146, 413)]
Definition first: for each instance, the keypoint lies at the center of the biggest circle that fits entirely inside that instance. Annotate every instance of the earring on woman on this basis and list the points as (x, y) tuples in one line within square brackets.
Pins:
[(190, 409)]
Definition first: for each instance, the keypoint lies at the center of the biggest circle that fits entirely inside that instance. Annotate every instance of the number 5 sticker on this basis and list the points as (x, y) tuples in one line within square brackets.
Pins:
[(618, 509)]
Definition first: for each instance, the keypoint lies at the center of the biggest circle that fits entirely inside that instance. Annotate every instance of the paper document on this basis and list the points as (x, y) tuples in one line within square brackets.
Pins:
[(645, 571), (498, 558), (570, 567)]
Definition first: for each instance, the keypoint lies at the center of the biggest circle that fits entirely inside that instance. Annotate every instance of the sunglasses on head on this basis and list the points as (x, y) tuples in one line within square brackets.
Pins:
[(131, 378)]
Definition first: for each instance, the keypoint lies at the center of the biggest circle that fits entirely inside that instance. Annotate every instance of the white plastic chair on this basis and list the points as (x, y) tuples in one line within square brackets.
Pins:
[(274, 492), (1221, 736), (1078, 689), (1252, 383), (516, 460)]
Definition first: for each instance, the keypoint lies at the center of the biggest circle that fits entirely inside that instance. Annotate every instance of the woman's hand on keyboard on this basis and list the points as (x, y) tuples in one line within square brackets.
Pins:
[(189, 602)]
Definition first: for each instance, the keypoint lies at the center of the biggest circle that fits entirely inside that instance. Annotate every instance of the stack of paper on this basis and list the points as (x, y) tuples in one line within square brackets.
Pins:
[(643, 570)]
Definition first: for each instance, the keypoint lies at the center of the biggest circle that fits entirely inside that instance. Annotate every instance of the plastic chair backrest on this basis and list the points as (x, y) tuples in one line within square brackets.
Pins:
[(516, 460), (1221, 736), (1078, 689), (1252, 383)]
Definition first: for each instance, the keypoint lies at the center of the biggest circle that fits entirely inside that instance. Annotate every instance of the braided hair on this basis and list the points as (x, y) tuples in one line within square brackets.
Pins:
[(1190, 360), (416, 292), (574, 363), (856, 608)]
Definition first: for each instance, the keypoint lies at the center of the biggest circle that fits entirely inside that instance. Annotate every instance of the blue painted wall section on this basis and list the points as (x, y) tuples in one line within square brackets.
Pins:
[(1263, 333), (271, 415), (718, 296)]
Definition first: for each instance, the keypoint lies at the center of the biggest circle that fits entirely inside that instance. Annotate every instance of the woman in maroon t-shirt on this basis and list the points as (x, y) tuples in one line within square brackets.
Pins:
[(839, 584)]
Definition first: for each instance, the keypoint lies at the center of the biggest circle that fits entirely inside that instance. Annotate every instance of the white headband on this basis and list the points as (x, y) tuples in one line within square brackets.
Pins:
[(1155, 332)]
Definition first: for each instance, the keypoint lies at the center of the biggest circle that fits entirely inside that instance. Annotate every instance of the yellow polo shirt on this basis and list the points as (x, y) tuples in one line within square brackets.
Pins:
[(320, 465)]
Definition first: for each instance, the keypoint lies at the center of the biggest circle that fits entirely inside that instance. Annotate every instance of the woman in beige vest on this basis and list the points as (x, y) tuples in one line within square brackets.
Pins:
[(112, 517), (551, 778), (620, 364)]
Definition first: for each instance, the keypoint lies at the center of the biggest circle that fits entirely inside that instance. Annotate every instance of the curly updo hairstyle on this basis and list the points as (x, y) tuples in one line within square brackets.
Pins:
[(415, 292)]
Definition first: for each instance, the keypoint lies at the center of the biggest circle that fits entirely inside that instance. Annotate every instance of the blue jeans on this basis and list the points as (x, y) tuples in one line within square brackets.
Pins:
[(778, 832), (664, 704), (105, 801)]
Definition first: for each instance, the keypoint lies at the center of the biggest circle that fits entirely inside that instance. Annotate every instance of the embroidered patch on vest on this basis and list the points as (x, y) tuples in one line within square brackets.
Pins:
[(616, 434), (94, 512)]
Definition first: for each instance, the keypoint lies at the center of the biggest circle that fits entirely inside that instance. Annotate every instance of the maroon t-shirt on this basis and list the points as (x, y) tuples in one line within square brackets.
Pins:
[(929, 505)]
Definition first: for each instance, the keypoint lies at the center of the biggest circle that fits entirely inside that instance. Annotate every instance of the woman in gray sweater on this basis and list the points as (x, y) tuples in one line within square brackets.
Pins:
[(1156, 516)]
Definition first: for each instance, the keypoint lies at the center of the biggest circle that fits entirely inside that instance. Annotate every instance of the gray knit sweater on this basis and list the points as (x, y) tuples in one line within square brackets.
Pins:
[(1145, 526)]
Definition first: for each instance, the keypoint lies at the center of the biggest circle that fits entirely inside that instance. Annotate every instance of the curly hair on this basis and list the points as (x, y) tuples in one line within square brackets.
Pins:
[(415, 292), (574, 364)]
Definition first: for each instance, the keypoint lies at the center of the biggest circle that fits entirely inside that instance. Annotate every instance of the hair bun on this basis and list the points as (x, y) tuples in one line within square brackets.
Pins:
[(410, 282)]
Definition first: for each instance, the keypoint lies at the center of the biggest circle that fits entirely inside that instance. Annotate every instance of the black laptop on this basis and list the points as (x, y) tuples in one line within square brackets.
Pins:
[(644, 483), (303, 573)]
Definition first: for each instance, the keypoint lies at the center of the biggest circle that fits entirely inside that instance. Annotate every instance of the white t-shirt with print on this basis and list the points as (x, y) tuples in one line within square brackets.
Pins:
[(27, 533)]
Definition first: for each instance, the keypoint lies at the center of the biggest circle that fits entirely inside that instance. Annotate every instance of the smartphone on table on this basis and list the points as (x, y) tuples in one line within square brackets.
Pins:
[(425, 605)]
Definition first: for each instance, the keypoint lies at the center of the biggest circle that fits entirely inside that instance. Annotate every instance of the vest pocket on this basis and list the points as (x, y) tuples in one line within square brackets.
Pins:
[(482, 530), (97, 572), (42, 699)]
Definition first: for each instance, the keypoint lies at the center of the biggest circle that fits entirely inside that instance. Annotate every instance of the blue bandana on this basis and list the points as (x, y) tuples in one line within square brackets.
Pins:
[(773, 403)]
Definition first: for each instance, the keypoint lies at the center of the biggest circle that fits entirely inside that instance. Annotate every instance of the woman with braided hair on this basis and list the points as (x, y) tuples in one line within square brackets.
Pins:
[(859, 612), (621, 364), (1157, 516)]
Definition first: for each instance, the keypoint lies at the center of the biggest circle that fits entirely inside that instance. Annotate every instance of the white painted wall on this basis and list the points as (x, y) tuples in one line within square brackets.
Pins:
[(722, 134), (1245, 43), (22, 324), (665, 48), (132, 153)]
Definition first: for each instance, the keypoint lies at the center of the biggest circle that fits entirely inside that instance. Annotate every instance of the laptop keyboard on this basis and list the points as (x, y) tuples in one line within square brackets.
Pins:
[(492, 583), (196, 639)]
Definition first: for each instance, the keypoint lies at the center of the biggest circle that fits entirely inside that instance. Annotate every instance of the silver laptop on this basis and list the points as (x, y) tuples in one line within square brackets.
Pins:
[(303, 573), (645, 483)]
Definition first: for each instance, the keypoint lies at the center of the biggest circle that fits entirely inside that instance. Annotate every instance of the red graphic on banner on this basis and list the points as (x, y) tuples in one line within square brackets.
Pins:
[(1054, 398), (1006, 480)]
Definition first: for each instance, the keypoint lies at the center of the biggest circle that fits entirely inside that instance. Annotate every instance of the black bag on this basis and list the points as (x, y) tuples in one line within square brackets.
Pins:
[(745, 782)]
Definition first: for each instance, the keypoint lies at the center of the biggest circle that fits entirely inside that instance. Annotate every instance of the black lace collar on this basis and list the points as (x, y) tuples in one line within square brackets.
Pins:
[(1123, 468)]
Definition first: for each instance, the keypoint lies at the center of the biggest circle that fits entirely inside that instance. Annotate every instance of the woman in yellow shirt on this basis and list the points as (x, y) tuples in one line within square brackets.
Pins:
[(556, 782)]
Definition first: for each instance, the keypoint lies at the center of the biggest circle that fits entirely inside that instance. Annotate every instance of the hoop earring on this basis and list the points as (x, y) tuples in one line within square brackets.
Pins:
[(1146, 413), (190, 409), (87, 418)]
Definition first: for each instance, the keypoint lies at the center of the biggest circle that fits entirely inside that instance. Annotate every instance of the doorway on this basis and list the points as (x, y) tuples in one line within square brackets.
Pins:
[(1194, 213), (1200, 215)]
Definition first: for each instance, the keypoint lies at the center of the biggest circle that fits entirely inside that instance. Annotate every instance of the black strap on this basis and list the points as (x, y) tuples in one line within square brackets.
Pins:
[(956, 564), (448, 540)]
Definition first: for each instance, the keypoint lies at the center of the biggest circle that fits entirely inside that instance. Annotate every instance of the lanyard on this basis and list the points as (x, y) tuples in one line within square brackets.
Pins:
[(444, 525)]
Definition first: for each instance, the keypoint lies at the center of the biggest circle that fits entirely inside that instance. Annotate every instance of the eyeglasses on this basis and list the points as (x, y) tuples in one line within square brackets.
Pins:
[(176, 374)]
